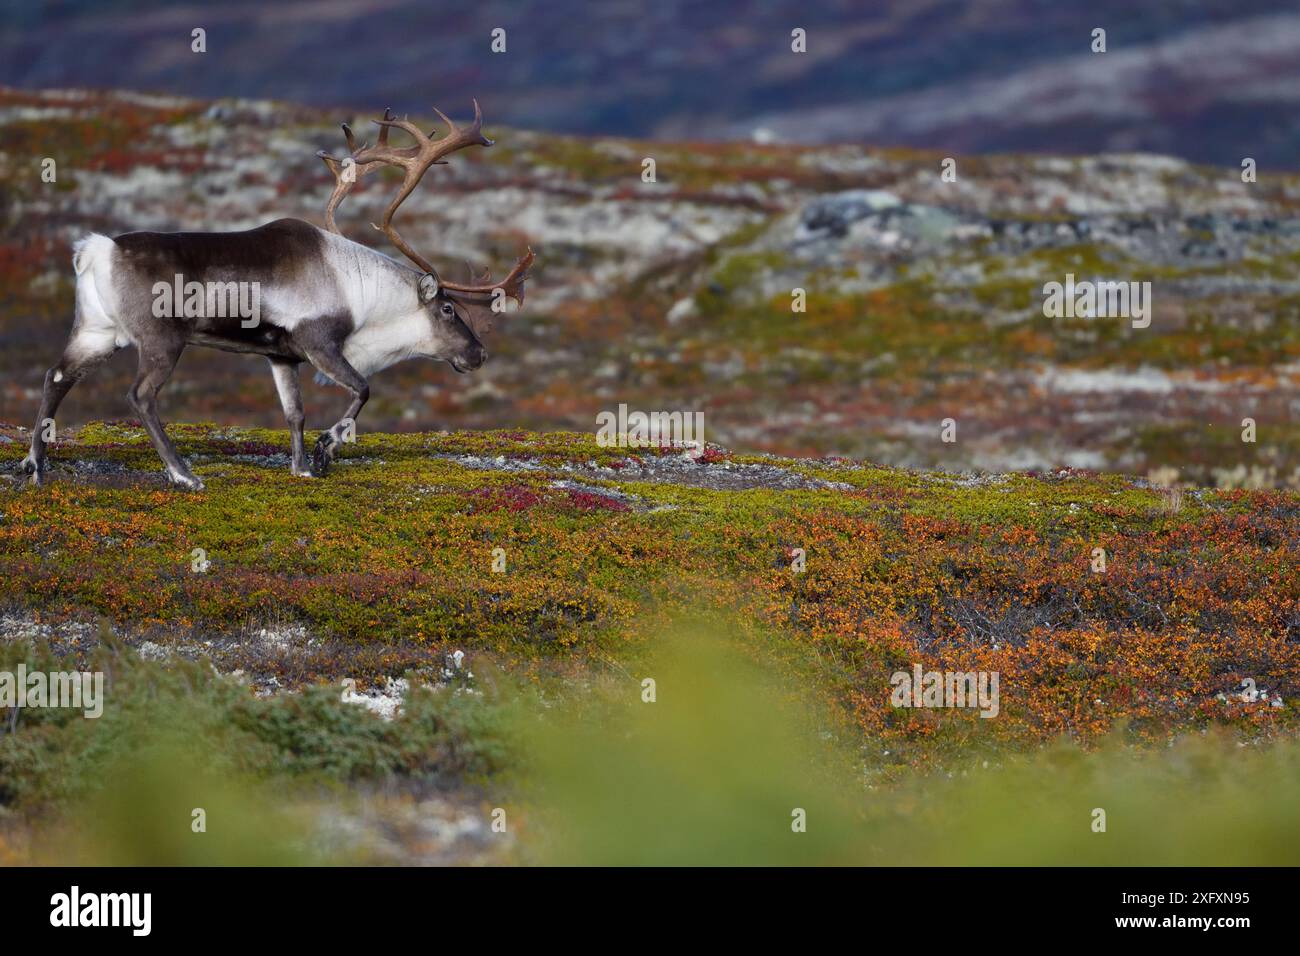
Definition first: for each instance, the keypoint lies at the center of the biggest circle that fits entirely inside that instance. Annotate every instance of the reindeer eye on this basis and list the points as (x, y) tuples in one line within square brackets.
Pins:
[(447, 310)]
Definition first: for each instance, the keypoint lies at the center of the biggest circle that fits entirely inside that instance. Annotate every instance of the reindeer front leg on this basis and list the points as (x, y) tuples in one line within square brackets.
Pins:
[(285, 374), (329, 360)]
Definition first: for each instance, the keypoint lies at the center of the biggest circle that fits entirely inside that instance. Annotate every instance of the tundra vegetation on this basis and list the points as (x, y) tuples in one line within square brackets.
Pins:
[(622, 565), (1160, 689)]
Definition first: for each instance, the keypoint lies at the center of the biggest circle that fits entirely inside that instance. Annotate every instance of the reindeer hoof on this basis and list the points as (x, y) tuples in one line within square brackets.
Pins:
[(302, 472), (35, 471), (183, 480), (323, 455)]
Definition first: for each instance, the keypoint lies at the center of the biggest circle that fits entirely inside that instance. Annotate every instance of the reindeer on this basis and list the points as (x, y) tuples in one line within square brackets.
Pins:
[(347, 309)]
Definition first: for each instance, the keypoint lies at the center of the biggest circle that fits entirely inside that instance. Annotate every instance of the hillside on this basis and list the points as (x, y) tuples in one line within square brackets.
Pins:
[(227, 619), (461, 618)]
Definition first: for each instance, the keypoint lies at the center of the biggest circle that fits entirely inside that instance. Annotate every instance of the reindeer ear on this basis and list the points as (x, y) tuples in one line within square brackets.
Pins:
[(428, 287)]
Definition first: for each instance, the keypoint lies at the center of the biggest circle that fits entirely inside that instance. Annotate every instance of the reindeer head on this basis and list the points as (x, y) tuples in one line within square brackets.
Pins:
[(461, 314), (451, 333)]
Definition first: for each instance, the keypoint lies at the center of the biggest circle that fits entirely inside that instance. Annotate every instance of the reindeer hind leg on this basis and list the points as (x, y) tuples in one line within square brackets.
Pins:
[(86, 350)]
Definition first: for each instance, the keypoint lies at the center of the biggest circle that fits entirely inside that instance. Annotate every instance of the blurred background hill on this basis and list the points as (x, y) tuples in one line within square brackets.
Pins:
[(1205, 80)]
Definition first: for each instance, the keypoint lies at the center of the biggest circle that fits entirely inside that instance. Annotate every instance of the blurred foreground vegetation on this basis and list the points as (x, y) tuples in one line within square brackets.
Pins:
[(716, 769)]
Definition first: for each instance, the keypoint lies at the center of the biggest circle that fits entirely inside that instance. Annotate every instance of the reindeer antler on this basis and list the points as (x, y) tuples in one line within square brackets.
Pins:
[(512, 285), (415, 160)]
